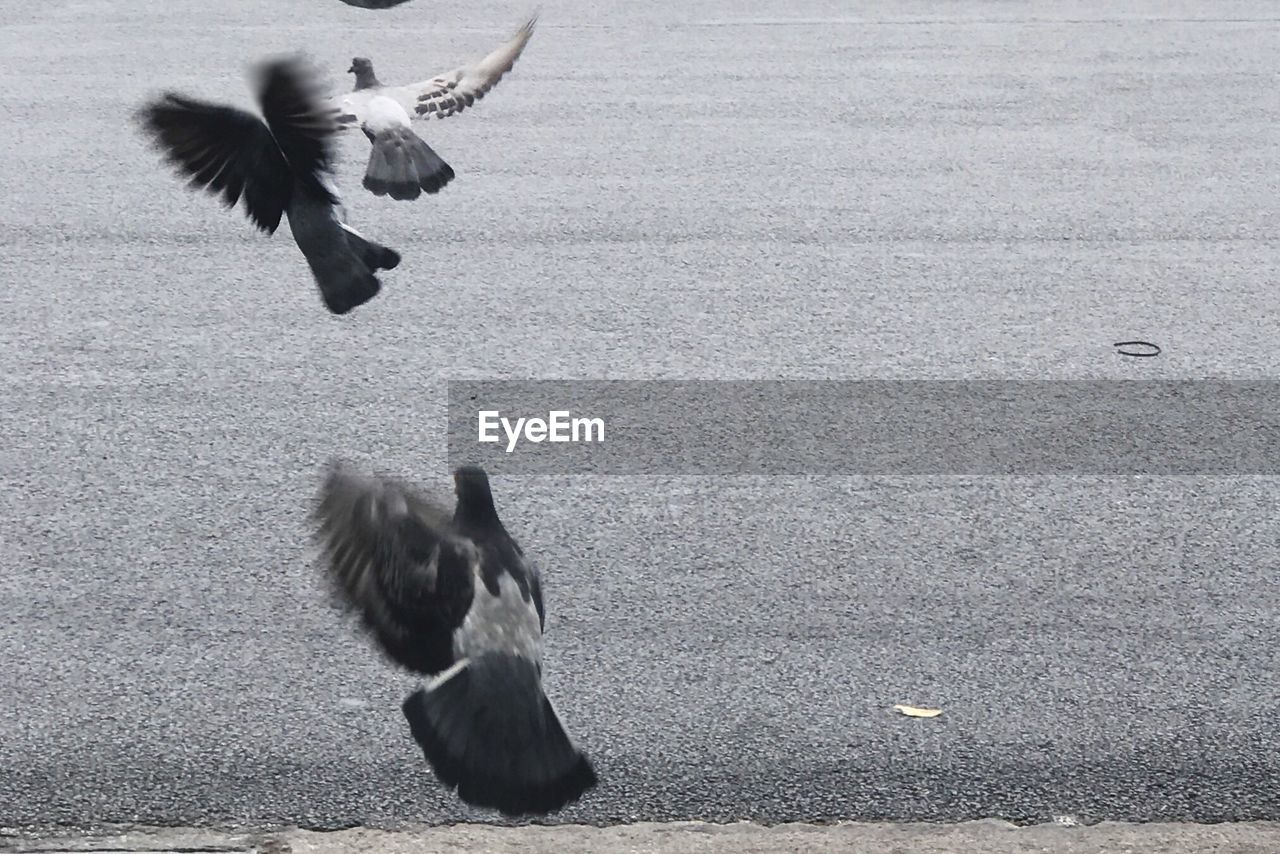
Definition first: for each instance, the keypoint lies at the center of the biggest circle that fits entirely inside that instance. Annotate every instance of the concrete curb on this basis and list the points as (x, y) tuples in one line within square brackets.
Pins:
[(976, 837)]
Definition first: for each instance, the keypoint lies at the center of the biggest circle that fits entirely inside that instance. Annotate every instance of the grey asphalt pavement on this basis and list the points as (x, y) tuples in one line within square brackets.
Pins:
[(659, 190)]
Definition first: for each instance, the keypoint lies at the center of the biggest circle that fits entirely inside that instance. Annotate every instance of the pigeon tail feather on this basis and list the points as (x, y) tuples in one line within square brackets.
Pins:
[(485, 727), (402, 166)]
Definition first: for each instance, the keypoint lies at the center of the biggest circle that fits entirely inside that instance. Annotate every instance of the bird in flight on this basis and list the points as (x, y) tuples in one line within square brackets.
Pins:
[(280, 166), (401, 164), (453, 597)]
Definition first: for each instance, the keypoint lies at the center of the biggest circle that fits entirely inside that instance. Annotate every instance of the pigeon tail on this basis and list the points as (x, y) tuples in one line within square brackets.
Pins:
[(337, 255), (345, 275), (402, 166), (346, 287), (485, 727)]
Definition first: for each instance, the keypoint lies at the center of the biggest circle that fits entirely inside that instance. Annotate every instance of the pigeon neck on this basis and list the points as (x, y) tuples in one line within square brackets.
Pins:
[(365, 79)]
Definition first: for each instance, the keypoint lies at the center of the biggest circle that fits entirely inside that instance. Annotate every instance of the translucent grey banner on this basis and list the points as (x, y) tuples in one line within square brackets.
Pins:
[(918, 427)]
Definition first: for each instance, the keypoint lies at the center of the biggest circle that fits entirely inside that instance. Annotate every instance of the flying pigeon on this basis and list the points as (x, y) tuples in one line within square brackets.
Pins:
[(279, 167), (455, 599), (401, 164)]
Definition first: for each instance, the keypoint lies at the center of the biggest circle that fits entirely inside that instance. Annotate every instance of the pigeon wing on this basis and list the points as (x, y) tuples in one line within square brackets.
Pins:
[(454, 91), (390, 556), (294, 104), (224, 150)]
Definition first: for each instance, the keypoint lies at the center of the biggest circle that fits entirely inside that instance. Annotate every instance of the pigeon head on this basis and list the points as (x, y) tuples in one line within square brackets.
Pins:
[(362, 68), (475, 501)]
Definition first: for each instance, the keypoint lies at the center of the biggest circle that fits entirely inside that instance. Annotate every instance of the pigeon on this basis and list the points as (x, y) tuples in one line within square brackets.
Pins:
[(279, 167), (375, 4), (455, 599), (401, 164)]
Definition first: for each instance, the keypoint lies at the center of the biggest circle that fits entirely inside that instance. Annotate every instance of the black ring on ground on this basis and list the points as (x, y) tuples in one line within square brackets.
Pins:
[(1154, 347)]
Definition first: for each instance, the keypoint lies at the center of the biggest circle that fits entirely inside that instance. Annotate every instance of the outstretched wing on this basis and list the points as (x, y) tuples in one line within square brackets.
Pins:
[(447, 93), (390, 556), (454, 91), (223, 150), (231, 152)]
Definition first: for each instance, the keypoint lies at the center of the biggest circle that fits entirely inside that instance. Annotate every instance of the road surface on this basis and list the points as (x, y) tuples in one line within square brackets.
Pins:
[(660, 190)]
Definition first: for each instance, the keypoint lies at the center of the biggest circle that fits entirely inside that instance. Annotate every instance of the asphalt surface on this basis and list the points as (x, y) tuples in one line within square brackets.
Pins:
[(659, 190)]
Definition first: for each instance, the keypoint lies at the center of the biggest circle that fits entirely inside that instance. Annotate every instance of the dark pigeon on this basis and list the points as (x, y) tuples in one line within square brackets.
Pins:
[(375, 4), (453, 597), (279, 167)]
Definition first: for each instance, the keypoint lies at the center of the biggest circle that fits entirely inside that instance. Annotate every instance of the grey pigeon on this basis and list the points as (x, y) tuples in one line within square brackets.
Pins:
[(401, 164), (454, 598), (279, 167)]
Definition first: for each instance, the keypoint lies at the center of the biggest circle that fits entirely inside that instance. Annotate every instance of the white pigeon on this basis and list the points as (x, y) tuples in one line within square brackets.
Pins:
[(401, 164)]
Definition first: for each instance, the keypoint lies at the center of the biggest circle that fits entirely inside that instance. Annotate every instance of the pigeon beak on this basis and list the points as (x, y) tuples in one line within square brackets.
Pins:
[(351, 70)]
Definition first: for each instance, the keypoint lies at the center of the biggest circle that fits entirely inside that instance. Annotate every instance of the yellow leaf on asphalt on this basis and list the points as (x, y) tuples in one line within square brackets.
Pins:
[(913, 712)]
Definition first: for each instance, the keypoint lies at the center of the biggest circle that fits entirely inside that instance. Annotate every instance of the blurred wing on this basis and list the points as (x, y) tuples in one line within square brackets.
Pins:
[(454, 91), (303, 123), (390, 557), (223, 150)]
